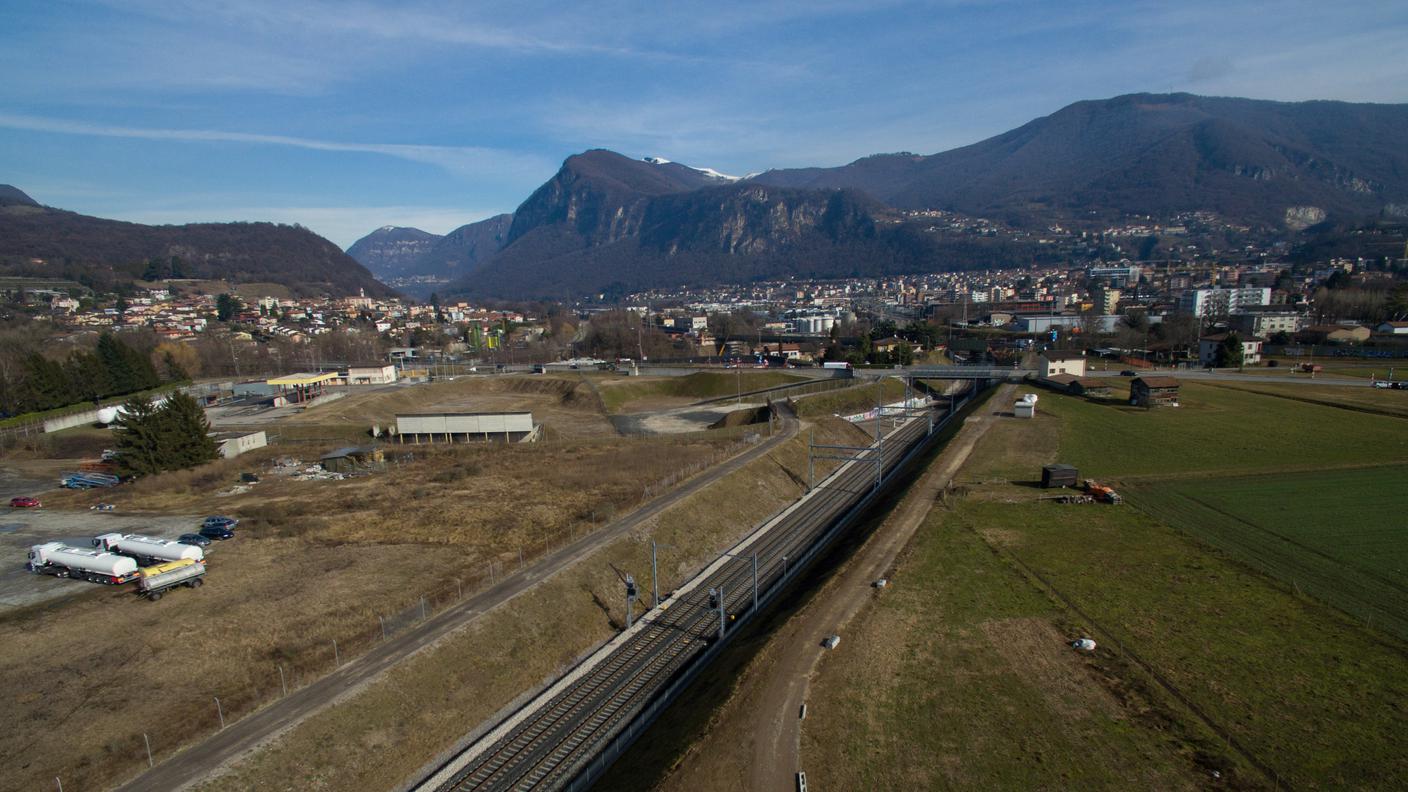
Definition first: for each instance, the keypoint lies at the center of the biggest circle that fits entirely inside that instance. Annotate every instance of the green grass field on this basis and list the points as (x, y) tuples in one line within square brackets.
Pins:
[(1219, 430), (1207, 593), (959, 678), (1340, 535), (1374, 400)]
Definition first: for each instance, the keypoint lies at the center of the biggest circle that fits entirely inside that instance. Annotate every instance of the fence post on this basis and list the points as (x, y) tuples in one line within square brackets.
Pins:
[(219, 712), (459, 587), (148, 741), (383, 626), (282, 683), (60, 783), (336, 656), (422, 608)]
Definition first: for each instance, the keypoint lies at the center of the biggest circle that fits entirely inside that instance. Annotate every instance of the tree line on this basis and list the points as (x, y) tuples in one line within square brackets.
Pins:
[(112, 368)]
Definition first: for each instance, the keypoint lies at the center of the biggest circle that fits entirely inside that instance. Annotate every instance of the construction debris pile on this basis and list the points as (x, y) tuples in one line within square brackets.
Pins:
[(296, 469)]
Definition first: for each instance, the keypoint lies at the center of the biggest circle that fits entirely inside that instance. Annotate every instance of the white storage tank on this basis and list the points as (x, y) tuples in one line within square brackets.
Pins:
[(1025, 407), (59, 554), (148, 547)]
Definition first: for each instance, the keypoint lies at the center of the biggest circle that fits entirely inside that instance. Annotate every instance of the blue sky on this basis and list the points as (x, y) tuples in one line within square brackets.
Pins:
[(345, 116)]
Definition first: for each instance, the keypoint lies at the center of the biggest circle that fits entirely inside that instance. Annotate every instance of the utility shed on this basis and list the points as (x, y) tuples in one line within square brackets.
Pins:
[(1153, 391), (232, 444), (1059, 475), (466, 427)]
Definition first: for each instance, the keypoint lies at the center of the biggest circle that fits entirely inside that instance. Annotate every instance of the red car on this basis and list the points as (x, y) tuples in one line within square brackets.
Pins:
[(24, 502)]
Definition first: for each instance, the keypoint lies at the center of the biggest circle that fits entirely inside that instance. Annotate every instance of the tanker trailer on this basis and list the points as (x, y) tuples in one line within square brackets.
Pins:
[(148, 549), (59, 560), (157, 579)]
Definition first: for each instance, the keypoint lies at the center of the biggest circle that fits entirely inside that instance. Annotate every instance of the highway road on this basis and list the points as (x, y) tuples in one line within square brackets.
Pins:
[(549, 742)]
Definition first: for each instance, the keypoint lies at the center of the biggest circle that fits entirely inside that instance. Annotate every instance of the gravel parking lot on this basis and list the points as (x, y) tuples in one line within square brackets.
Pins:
[(22, 528)]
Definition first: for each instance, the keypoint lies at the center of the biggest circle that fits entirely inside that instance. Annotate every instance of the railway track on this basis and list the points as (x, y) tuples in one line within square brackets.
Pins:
[(547, 742)]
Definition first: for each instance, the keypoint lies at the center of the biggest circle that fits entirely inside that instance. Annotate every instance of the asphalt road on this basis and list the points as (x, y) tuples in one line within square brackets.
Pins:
[(201, 759)]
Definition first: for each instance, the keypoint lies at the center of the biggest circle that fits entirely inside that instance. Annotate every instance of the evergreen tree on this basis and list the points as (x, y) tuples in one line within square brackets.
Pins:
[(88, 378), (1229, 352), (184, 433), (139, 438), (46, 384), (226, 306)]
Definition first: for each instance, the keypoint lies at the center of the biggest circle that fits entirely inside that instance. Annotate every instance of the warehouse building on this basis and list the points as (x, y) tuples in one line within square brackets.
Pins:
[(467, 427)]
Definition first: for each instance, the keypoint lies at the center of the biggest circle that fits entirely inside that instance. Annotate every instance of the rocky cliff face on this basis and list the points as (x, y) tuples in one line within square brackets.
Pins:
[(605, 222), (390, 251)]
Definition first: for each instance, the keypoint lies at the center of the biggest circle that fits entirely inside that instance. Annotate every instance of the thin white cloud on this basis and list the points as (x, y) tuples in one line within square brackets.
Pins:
[(464, 160)]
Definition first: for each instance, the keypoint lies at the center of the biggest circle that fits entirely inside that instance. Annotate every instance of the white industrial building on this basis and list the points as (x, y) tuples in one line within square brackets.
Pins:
[(1053, 363), (466, 427), (1205, 303), (232, 444)]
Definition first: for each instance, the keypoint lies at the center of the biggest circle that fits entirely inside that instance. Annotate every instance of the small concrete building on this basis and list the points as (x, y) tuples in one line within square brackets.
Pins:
[(466, 427), (1054, 363), (1154, 391), (371, 375), (232, 444)]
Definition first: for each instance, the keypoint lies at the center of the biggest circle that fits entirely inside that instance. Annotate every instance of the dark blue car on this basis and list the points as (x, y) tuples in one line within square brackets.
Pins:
[(218, 527)]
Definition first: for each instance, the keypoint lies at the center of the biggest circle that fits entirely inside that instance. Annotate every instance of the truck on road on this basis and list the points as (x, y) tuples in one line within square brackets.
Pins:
[(148, 549), (60, 560), (155, 580)]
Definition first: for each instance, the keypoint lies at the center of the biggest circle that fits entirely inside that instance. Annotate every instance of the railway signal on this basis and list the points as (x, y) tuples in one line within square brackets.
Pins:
[(630, 598)]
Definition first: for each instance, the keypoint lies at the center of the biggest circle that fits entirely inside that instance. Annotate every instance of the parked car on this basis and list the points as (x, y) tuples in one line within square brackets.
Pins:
[(1127, 373), (216, 532), (193, 539), (219, 521), (24, 502)]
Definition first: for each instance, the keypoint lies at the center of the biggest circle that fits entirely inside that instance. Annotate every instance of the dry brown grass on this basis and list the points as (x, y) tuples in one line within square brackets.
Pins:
[(314, 561), (568, 404), (385, 733)]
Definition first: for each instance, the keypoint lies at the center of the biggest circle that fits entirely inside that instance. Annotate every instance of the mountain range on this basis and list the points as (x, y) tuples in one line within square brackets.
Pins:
[(107, 255), (606, 223)]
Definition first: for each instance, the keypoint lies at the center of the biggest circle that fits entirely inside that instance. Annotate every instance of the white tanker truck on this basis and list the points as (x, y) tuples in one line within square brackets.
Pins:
[(60, 560), (148, 549)]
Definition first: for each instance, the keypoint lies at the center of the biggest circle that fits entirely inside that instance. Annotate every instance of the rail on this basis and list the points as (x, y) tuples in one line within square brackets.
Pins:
[(567, 735)]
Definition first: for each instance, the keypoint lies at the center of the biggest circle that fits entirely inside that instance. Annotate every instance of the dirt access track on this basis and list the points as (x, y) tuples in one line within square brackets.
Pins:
[(754, 740), (205, 758)]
